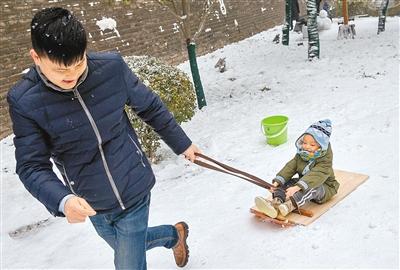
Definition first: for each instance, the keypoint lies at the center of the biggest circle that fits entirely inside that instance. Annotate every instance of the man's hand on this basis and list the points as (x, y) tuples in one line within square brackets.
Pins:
[(77, 209), (292, 190), (189, 153)]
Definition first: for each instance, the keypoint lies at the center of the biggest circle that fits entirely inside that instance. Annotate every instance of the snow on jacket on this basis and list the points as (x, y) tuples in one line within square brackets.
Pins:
[(87, 133), (320, 173)]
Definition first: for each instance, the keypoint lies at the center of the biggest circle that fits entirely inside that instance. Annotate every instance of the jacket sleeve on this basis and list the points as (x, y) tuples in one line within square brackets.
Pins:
[(149, 107), (33, 160), (287, 172), (318, 174)]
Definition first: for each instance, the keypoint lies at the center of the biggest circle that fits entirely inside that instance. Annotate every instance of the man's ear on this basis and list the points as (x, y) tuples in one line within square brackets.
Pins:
[(35, 57)]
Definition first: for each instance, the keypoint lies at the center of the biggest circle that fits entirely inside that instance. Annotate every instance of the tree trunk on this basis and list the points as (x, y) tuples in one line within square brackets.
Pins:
[(312, 28), (201, 99), (345, 12), (288, 23), (382, 16)]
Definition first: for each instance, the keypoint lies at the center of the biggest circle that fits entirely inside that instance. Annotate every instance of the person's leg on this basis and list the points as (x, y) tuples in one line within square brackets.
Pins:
[(104, 228), (130, 242), (126, 234), (134, 237), (161, 236), (301, 197), (130, 237)]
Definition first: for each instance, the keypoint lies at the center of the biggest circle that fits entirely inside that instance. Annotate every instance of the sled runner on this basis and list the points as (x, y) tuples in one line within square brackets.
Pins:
[(279, 220)]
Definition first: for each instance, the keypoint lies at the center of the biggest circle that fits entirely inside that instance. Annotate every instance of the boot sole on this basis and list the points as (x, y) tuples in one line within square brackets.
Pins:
[(265, 207), (185, 236)]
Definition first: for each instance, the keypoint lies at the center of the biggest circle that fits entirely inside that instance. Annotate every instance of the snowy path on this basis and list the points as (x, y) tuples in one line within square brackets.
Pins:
[(355, 84)]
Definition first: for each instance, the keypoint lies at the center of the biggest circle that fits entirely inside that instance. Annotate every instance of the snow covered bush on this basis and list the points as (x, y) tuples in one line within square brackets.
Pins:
[(175, 90)]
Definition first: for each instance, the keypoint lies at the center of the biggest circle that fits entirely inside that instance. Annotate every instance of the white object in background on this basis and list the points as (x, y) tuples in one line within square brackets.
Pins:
[(108, 23), (323, 22), (304, 30)]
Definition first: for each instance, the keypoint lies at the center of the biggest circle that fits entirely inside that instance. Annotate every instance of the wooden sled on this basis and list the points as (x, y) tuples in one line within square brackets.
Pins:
[(279, 220), (349, 181)]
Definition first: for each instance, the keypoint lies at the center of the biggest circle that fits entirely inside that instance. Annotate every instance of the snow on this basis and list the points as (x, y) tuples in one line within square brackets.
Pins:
[(355, 84), (323, 22), (25, 71), (108, 23), (222, 7)]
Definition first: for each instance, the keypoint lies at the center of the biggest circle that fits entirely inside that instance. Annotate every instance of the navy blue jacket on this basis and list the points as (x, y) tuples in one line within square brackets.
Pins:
[(87, 133)]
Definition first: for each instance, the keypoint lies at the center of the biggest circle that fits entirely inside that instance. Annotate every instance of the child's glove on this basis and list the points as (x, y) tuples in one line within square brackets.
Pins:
[(279, 194)]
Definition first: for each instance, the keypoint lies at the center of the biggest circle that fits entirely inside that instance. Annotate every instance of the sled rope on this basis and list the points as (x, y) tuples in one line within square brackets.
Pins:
[(243, 175), (232, 171)]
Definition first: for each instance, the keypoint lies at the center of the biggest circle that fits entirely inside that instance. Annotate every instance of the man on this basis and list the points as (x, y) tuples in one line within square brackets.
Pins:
[(70, 107)]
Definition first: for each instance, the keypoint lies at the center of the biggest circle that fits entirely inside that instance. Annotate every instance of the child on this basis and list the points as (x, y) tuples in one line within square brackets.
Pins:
[(313, 164), (70, 107)]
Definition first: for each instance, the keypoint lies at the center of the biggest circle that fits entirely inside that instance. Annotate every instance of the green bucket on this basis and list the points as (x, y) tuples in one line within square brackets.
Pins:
[(275, 129)]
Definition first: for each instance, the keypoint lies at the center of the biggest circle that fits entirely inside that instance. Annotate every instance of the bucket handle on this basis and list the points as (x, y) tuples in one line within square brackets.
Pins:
[(275, 135), (262, 129)]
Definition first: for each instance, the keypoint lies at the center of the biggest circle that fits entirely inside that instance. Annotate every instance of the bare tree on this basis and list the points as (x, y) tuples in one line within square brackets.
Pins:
[(180, 9)]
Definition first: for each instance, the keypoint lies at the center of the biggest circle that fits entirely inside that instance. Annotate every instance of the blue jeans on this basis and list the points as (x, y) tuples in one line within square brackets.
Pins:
[(129, 235)]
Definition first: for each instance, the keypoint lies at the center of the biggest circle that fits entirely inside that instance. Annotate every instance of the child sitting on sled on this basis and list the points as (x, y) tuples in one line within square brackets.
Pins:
[(313, 164)]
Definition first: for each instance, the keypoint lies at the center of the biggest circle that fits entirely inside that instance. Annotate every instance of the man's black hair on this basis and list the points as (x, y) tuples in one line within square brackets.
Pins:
[(57, 34)]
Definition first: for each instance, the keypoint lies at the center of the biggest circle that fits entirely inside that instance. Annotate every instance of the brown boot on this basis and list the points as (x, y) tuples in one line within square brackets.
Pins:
[(181, 249)]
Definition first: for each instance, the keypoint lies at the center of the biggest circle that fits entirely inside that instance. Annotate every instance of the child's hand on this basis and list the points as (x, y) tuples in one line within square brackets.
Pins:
[(275, 185), (292, 190)]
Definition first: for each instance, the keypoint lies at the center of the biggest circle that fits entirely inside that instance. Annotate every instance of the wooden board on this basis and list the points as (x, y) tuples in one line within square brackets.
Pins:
[(349, 181)]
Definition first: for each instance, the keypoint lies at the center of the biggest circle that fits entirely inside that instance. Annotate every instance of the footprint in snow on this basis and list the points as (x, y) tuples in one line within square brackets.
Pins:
[(27, 230)]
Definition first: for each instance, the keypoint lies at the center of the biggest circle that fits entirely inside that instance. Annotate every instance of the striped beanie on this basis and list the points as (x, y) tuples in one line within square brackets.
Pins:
[(321, 131)]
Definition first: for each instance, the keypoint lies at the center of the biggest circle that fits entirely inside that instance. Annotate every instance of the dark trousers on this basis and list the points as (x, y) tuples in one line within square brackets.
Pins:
[(300, 197)]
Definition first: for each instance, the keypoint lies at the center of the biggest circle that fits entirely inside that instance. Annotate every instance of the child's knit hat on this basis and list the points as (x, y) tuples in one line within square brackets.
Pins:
[(321, 131)]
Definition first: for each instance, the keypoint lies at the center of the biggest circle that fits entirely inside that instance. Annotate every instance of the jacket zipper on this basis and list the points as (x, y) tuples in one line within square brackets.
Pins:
[(69, 182), (99, 141), (138, 151)]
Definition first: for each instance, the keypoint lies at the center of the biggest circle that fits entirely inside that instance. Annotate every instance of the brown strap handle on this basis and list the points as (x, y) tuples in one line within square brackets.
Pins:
[(230, 170), (238, 173)]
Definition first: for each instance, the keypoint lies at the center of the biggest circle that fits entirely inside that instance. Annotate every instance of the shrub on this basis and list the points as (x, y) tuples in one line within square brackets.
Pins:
[(175, 90)]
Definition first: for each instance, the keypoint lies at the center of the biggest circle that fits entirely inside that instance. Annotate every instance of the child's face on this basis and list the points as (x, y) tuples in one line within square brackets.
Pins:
[(309, 144), (60, 75)]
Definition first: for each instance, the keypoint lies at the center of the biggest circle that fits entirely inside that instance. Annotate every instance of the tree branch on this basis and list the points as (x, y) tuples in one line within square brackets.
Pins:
[(208, 4)]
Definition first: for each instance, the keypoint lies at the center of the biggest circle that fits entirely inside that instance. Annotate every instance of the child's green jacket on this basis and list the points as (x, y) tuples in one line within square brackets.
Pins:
[(320, 173)]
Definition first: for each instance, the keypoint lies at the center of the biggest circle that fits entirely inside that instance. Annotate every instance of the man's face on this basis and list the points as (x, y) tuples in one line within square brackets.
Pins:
[(60, 75)]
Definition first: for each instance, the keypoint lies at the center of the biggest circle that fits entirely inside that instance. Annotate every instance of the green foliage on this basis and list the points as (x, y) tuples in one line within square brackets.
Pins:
[(175, 90)]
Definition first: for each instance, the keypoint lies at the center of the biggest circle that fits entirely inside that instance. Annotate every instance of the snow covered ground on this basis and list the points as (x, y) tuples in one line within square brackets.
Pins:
[(355, 84)]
